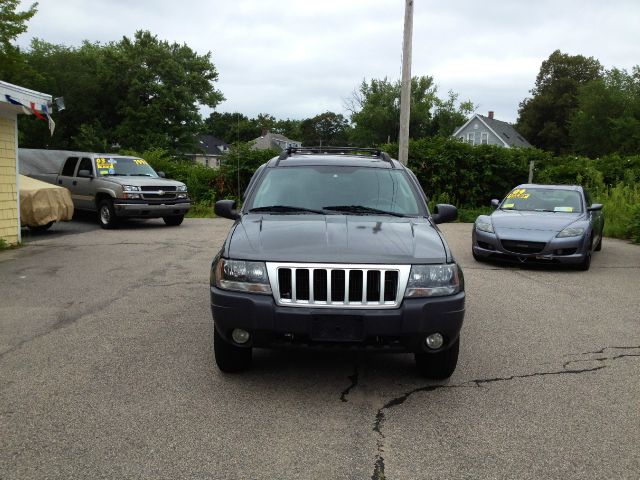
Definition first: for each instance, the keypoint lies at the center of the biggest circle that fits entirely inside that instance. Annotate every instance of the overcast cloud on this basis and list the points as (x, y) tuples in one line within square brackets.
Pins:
[(295, 59)]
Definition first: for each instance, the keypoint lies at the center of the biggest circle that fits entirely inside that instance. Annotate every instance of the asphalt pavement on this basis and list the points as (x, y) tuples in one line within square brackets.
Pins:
[(107, 371)]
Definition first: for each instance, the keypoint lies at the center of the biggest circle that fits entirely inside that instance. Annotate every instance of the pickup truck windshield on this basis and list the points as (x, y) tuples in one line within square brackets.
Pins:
[(124, 166), (337, 189)]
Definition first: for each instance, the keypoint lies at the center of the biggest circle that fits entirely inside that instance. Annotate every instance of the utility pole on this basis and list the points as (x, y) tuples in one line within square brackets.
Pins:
[(405, 92)]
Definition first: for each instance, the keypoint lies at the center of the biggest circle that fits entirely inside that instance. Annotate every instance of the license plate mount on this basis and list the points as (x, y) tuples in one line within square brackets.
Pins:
[(337, 328)]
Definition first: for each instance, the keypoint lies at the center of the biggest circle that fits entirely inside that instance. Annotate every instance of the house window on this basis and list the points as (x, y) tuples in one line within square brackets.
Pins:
[(484, 138), (470, 137)]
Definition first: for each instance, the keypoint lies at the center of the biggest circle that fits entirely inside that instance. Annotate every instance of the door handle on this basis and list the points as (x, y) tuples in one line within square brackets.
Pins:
[(60, 182), (74, 183)]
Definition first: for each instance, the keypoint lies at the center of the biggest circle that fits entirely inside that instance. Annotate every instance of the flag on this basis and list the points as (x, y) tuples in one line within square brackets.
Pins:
[(50, 122), (13, 101), (36, 112)]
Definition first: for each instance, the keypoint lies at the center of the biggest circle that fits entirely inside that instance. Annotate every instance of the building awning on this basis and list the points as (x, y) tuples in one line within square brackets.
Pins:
[(29, 102)]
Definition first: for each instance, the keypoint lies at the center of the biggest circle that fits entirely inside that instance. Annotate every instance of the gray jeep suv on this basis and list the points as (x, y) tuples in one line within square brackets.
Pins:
[(336, 247)]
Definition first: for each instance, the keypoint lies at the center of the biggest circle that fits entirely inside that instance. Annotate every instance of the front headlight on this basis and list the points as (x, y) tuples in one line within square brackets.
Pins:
[(181, 188), (484, 226), (131, 188), (241, 276), (571, 232), (434, 280)]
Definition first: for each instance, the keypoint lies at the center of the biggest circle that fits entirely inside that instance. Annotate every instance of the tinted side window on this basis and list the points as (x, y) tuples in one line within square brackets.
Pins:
[(85, 164), (69, 167)]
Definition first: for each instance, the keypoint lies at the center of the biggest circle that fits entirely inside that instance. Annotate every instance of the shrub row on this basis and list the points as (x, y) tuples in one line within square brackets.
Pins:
[(450, 172)]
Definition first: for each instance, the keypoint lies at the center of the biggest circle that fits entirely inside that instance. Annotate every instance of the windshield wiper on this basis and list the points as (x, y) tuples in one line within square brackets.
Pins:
[(140, 175), (286, 209), (361, 209)]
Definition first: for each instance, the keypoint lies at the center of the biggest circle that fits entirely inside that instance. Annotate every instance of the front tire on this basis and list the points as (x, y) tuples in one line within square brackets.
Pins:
[(438, 366), (107, 215), (230, 358), (173, 220), (41, 228), (585, 264)]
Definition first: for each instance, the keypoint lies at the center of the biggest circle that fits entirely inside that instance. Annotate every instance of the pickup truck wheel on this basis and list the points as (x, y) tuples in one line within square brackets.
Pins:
[(107, 214), (173, 220), (438, 366), (230, 358)]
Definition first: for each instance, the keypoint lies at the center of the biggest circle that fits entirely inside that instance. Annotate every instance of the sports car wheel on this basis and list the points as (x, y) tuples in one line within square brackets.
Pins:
[(439, 365), (586, 261), (599, 245)]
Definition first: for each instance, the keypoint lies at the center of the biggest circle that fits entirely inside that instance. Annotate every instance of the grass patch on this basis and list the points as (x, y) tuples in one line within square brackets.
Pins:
[(469, 214), (621, 211), (200, 210), (5, 246)]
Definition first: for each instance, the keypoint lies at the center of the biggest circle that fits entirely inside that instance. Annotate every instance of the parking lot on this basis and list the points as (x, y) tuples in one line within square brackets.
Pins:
[(108, 372)]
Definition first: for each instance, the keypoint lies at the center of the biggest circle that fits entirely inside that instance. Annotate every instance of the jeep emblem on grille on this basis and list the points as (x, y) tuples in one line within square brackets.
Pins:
[(160, 192)]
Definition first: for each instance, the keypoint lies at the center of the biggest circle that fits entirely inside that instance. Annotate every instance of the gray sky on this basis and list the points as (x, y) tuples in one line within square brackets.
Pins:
[(295, 59)]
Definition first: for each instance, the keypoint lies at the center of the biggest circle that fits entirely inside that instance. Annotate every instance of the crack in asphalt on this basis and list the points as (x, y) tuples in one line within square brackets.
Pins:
[(379, 465), (354, 383)]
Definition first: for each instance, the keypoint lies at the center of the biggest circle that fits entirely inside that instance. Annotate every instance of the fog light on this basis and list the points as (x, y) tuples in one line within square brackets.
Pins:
[(240, 336), (434, 341)]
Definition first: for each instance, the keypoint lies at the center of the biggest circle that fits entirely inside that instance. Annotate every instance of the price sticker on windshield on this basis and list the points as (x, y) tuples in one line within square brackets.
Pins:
[(139, 161), (103, 163), (519, 193)]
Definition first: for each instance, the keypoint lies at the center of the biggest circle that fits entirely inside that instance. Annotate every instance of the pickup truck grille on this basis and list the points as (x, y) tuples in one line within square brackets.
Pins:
[(157, 195), (152, 188), (338, 285)]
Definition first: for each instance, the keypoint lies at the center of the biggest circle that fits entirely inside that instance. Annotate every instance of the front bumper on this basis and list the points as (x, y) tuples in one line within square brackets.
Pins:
[(400, 330), (144, 208), (571, 250)]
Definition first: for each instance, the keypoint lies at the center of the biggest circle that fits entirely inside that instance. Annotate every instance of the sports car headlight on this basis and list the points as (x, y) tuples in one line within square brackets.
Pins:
[(181, 188), (131, 188), (571, 232), (241, 276), (484, 226), (434, 280)]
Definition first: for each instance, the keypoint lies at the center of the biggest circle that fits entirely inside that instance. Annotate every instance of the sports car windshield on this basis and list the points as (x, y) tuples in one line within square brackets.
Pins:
[(336, 190), (543, 200), (124, 166)]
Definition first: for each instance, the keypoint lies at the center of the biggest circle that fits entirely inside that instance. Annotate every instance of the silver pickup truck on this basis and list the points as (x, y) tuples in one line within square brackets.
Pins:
[(117, 186)]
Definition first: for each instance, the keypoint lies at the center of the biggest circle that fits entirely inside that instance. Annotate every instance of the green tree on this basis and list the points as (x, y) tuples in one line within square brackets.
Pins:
[(448, 116), (327, 128), (165, 83), (544, 117), (12, 24), (375, 110), (143, 92), (607, 119), (231, 127)]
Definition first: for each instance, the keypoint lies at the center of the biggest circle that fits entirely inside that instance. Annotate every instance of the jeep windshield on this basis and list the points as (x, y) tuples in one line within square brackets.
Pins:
[(336, 189), (124, 166)]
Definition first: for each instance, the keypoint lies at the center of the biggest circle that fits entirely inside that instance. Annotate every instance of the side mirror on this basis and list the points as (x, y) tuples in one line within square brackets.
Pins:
[(495, 202), (226, 209), (595, 207), (161, 174), (84, 174), (444, 213)]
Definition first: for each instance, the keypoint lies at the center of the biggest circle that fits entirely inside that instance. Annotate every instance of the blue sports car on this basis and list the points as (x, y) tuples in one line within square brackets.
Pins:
[(541, 224)]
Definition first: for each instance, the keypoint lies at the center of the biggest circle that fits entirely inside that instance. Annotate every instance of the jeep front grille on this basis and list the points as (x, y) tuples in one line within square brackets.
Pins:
[(338, 285)]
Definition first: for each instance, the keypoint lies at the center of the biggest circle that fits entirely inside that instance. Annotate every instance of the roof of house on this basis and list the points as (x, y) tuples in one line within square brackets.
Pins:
[(503, 130), (211, 145), (267, 140)]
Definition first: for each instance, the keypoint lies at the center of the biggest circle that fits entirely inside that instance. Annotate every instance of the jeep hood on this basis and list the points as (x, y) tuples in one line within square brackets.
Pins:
[(336, 239)]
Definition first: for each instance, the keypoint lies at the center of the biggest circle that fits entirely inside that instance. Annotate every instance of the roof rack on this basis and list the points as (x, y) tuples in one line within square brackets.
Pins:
[(287, 152)]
